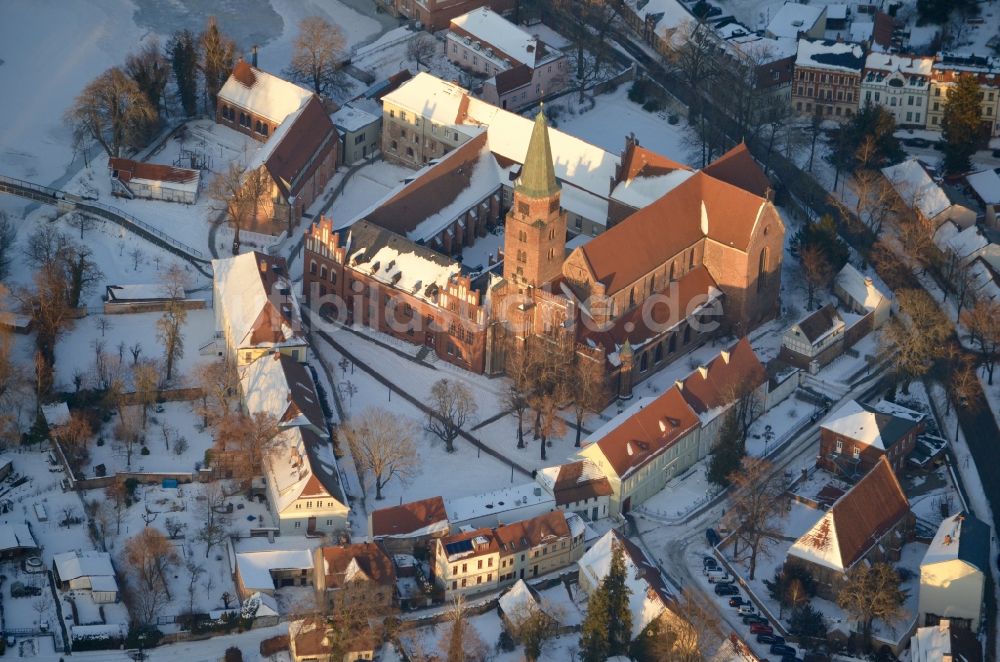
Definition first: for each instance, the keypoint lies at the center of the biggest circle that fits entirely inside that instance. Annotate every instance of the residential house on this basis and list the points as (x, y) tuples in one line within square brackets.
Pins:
[(519, 601), (900, 84), (280, 387), (948, 68), (520, 68), (263, 566), (859, 295), (308, 641), (663, 24), (360, 133), (15, 538), (649, 598), (88, 570), (735, 377), (490, 558), (435, 15), (361, 573), (256, 312), (815, 340), (644, 447), (855, 437), (137, 179), (409, 526), (954, 572), (299, 154), (495, 507), (985, 186), (827, 79), (579, 487), (921, 194), (797, 21), (869, 523), (943, 643)]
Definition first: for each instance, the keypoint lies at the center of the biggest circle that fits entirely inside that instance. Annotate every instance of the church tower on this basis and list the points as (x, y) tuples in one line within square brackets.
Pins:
[(535, 231)]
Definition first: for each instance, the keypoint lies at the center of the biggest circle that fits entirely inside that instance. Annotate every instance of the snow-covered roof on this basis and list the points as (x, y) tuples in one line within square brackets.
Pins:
[(492, 28), (916, 187), (868, 425), (914, 66), (350, 118), (962, 537), (301, 464), (257, 302), (832, 55), (280, 386), (962, 243), (255, 567), (986, 184), (932, 643), (98, 630), (666, 15), (639, 192), (139, 292), (72, 565), (56, 413), (16, 536), (105, 583), (859, 287), (794, 18), (497, 502), (263, 93), (645, 602), (518, 599)]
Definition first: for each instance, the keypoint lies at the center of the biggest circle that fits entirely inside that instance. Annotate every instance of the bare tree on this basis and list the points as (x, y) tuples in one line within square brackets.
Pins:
[(453, 406), (687, 633), (588, 28), (8, 238), (150, 70), (170, 327), (587, 390), (212, 532), (146, 381), (195, 570), (244, 441), (113, 111), (514, 396), (871, 592), (151, 557), (817, 271), (116, 494), (217, 55), (757, 506), (318, 49), (383, 448), (48, 305), (128, 429), (239, 192), (461, 642), (917, 337), (421, 49), (982, 323), (876, 199), (74, 438), (219, 386), (533, 625)]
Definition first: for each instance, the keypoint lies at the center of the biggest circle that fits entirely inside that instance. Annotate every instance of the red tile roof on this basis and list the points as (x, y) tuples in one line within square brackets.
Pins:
[(717, 384), (649, 432), (295, 157), (573, 484), (127, 169), (641, 162), (738, 168), (869, 509), (532, 532), (408, 517), (370, 558)]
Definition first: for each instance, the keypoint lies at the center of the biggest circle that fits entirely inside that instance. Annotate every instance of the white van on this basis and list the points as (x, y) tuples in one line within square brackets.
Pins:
[(716, 576)]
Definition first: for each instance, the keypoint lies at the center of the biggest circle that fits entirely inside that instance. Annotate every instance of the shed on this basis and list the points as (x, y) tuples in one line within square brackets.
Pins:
[(87, 570)]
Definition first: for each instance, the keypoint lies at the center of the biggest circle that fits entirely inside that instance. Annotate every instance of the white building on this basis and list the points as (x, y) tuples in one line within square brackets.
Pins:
[(953, 573), (861, 296), (986, 187), (578, 487), (504, 506), (87, 570), (923, 195), (136, 179), (900, 84), (256, 312), (794, 20)]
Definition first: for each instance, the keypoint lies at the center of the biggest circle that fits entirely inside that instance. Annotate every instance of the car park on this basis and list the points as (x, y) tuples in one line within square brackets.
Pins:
[(719, 576), (782, 649)]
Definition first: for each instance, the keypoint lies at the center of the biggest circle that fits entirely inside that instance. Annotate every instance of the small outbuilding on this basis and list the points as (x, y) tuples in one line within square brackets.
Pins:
[(87, 570), (135, 179)]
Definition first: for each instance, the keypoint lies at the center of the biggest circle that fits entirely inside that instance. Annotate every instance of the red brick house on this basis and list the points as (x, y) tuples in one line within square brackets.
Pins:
[(300, 146), (855, 437), (870, 522), (402, 529), (353, 574), (436, 15)]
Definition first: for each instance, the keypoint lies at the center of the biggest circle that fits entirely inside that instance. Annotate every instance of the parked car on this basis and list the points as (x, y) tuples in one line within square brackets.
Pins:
[(718, 576), (746, 610), (709, 562), (738, 601), (752, 619), (726, 589), (765, 638), (761, 628), (790, 658), (782, 649)]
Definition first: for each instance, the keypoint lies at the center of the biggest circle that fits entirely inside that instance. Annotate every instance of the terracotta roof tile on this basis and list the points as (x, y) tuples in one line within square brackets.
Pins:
[(730, 370), (408, 517), (641, 162), (738, 168), (649, 432), (292, 159), (128, 169), (573, 485), (868, 510), (532, 532), (370, 558)]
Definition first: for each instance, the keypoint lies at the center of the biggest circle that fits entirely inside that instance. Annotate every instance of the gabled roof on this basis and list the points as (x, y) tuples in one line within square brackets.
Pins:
[(279, 385), (716, 384), (859, 288), (417, 518), (858, 422), (292, 157), (963, 537), (15, 537), (856, 521), (576, 481), (263, 93), (493, 29), (258, 305), (818, 324), (73, 565), (912, 183), (737, 167), (301, 464), (532, 532), (647, 433), (362, 561), (702, 206)]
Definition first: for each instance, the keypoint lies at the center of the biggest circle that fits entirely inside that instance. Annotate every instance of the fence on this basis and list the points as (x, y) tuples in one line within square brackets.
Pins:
[(111, 308)]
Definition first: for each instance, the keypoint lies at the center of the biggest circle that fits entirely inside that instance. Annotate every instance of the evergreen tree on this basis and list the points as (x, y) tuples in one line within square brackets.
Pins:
[(183, 52), (594, 644), (728, 451), (217, 54), (823, 235), (960, 125), (938, 11), (875, 125), (620, 616)]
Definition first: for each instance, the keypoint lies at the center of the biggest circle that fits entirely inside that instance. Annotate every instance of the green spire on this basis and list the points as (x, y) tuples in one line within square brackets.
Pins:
[(538, 176)]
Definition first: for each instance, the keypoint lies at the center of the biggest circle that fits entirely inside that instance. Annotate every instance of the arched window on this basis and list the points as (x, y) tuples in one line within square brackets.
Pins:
[(672, 345), (333, 276), (644, 362), (687, 334), (658, 354), (671, 270), (312, 267), (762, 270), (322, 272), (631, 297)]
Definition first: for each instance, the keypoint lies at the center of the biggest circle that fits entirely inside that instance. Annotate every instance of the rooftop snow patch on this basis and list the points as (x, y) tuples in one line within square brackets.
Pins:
[(832, 55), (792, 19), (916, 188), (350, 118), (491, 28), (986, 184), (859, 287), (914, 66), (506, 504), (263, 93)]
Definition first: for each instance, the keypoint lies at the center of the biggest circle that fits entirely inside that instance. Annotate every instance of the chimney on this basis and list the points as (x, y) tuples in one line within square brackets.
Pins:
[(253, 56), (947, 539), (263, 266)]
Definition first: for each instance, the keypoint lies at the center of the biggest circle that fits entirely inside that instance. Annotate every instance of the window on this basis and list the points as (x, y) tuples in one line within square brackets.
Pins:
[(463, 583), (312, 267), (687, 334), (393, 145), (358, 139), (523, 209), (522, 236), (840, 445), (454, 585), (464, 566), (856, 453), (392, 113), (552, 253), (298, 525), (409, 151)]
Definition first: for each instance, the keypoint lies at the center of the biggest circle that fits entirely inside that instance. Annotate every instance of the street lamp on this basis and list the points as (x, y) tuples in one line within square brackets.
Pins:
[(768, 437)]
